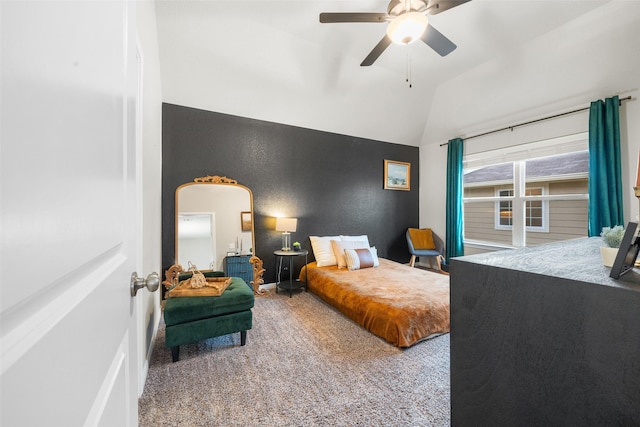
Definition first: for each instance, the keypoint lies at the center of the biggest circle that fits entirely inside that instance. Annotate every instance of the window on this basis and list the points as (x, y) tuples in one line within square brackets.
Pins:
[(504, 209), (535, 210), (527, 195)]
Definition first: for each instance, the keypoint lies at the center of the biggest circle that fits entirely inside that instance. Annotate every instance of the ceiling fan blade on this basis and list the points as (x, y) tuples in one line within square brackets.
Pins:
[(439, 6), (437, 41), (376, 52), (332, 18)]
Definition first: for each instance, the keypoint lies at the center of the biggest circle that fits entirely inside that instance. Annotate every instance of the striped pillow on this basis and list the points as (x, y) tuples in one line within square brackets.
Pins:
[(361, 258), (339, 247)]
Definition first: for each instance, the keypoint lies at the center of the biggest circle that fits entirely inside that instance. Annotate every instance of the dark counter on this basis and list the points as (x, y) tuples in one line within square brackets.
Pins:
[(543, 336)]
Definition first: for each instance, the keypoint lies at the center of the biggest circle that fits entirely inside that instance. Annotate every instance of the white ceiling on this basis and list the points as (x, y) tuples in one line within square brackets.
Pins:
[(274, 61)]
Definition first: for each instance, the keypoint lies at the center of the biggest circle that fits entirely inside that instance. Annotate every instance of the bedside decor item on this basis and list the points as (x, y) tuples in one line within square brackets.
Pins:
[(612, 237), (397, 175), (286, 225), (296, 246)]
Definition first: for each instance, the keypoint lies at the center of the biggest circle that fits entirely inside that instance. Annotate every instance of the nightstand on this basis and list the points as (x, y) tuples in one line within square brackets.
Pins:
[(239, 266), (292, 284)]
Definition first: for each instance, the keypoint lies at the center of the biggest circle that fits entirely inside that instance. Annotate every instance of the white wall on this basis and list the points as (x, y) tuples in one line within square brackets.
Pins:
[(151, 174), (593, 57), (152, 134)]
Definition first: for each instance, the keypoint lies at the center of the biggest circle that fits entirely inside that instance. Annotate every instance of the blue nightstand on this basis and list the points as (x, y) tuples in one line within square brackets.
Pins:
[(239, 266)]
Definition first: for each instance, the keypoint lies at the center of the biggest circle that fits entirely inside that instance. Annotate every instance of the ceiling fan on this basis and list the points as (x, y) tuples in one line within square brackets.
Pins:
[(408, 22)]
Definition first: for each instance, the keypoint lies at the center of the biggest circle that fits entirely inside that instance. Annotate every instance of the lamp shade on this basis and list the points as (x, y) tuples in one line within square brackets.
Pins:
[(286, 224), (407, 27)]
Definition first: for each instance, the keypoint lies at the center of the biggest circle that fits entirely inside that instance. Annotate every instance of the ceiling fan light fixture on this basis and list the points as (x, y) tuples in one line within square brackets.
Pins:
[(407, 27)]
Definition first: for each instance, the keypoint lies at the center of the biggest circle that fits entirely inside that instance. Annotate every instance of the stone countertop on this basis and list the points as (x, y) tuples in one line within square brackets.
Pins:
[(577, 259)]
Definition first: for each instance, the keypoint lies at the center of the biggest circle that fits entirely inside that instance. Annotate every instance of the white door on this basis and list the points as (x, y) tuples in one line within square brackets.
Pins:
[(69, 239)]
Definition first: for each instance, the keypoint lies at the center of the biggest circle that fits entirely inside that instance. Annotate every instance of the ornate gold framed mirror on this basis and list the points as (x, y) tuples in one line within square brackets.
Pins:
[(214, 230)]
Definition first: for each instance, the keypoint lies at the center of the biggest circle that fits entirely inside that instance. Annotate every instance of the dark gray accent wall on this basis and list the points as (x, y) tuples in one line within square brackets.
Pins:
[(332, 183)]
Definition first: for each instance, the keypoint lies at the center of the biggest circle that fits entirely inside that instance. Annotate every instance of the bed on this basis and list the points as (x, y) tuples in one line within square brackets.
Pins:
[(401, 304)]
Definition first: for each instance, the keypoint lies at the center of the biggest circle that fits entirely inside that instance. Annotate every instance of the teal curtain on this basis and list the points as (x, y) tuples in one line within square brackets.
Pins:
[(605, 173), (454, 243)]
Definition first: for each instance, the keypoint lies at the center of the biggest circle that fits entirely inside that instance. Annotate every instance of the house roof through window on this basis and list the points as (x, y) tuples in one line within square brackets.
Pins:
[(564, 164)]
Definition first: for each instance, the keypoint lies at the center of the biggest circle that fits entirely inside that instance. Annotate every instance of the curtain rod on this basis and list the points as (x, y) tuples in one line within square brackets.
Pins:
[(511, 128)]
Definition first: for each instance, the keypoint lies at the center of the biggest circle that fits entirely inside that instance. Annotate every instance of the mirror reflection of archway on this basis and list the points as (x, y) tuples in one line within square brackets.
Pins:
[(197, 237)]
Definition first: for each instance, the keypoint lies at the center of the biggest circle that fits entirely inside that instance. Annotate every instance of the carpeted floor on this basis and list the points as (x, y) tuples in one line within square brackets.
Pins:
[(304, 364)]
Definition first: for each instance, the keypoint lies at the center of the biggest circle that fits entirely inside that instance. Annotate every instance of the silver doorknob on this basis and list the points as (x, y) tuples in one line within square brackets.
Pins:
[(152, 282)]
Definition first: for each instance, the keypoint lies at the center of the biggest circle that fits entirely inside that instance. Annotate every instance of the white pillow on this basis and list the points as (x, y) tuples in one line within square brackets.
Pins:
[(340, 246), (322, 250), (363, 238), (361, 258)]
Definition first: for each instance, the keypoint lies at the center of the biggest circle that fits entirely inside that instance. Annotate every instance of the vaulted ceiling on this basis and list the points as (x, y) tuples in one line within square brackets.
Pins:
[(274, 61)]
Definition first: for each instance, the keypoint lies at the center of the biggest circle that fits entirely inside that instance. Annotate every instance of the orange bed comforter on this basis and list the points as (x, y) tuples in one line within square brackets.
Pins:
[(400, 304)]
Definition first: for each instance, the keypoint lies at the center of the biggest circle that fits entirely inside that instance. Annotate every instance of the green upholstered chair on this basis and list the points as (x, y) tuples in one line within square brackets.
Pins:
[(193, 319)]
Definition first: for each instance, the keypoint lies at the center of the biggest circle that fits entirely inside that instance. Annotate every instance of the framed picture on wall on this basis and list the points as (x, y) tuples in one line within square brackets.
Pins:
[(397, 175), (245, 221)]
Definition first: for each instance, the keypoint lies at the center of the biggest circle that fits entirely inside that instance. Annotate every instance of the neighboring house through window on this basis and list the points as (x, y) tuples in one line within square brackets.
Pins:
[(527, 195)]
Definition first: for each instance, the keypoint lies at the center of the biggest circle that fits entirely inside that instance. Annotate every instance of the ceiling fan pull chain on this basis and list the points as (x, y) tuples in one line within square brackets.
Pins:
[(407, 68), (408, 79)]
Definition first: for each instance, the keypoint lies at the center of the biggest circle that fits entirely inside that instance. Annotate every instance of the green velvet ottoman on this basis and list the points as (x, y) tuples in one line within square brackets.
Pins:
[(193, 319)]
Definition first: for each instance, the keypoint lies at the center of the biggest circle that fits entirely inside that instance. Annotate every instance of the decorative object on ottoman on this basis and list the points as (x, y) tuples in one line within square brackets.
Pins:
[(213, 287), (197, 280)]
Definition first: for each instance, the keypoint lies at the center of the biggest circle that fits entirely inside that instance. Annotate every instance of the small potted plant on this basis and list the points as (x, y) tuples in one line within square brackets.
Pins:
[(296, 246), (612, 237)]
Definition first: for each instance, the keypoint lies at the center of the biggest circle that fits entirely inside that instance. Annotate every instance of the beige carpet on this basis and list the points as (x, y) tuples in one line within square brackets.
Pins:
[(304, 364)]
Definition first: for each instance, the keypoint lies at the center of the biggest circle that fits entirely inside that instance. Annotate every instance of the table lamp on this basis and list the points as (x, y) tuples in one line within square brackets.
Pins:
[(286, 225)]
